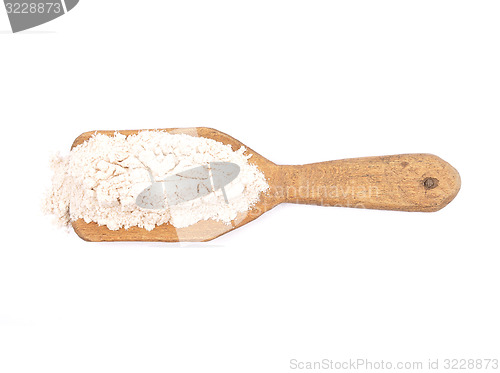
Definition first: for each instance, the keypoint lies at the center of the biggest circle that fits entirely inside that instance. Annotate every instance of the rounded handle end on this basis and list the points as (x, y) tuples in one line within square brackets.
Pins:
[(440, 183)]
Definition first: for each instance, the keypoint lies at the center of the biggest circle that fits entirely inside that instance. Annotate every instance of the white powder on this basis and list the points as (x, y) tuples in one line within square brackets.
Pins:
[(100, 180)]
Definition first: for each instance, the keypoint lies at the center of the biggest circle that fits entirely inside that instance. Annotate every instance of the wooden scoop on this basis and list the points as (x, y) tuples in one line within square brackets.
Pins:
[(407, 182)]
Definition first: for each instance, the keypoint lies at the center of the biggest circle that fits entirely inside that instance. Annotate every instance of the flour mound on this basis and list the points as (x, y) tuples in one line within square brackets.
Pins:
[(100, 180)]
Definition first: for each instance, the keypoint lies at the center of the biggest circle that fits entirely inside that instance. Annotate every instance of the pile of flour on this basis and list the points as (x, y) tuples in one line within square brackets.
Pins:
[(100, 180)]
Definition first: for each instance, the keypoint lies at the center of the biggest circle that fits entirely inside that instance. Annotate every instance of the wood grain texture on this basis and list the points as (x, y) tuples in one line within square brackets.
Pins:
[(407, 182)]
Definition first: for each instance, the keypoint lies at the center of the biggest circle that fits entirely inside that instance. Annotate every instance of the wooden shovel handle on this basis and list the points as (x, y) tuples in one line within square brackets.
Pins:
[(407, 182)]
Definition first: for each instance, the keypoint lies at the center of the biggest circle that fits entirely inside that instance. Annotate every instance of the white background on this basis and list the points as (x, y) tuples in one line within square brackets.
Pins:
[(299, 82)]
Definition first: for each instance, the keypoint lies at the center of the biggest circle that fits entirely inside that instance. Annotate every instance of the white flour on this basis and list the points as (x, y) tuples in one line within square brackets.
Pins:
[(100, 180)]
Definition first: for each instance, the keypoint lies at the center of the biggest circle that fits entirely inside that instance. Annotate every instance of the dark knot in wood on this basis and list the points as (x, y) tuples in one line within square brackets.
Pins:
[(430, 183)]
